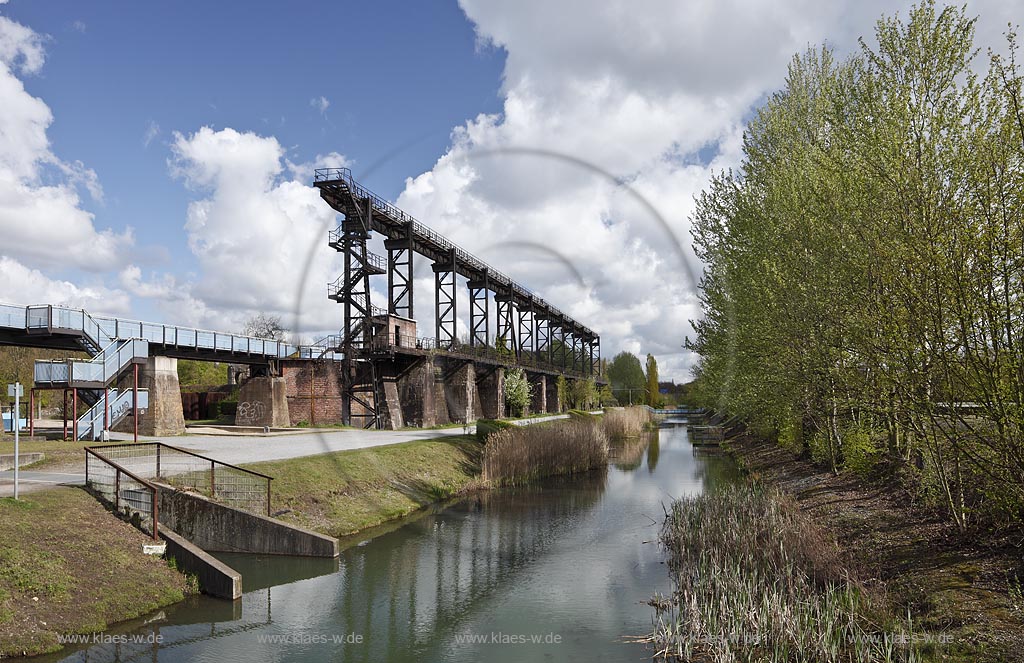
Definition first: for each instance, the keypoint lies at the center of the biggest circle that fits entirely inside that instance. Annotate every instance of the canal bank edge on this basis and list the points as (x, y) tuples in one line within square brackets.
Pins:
[(70, 566), (951, 585)]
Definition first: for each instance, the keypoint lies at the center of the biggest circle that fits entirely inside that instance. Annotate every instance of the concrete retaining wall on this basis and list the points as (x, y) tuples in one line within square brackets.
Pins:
[(215, 577), (220, 528), (7, 460)]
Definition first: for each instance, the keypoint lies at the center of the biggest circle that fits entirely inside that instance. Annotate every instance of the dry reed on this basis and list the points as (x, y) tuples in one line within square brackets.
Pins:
[(755, 580), (523, 453), (625, 422)]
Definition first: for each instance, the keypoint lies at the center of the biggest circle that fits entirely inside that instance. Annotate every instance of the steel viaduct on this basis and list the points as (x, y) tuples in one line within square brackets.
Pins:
[(377, 371)]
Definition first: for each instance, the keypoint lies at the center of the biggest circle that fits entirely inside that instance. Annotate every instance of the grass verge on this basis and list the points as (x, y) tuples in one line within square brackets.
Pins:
[(957, 586), (346, 491), (67, 565), (58, 452)]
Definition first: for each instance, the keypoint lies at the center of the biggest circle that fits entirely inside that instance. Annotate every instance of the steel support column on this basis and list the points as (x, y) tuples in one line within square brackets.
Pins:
[(400, 278), (445, 309), (542, 339), (479, 312), (525, 319), (505, 334)]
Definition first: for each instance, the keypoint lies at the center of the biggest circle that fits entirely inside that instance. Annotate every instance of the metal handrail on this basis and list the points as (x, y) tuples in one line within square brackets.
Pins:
[(214, 463), (118, 471)]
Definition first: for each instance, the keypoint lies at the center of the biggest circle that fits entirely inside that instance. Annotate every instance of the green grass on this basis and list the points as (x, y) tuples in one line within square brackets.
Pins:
[(58, 452), (67, 565), (343, 492)]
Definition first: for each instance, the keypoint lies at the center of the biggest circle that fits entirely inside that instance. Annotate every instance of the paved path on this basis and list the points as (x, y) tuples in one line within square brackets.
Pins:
[(239, 449), (236, 450)]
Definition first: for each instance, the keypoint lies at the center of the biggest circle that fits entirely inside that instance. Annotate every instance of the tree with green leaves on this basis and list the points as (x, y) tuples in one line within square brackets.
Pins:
[(864, 265), (518, 391), (626, 376), (653, 393)]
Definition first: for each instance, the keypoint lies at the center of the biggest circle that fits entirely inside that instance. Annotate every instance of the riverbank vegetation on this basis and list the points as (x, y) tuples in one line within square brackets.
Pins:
[(862, 298), (69, 566), (521, 454), (625, 422), (756, 580)]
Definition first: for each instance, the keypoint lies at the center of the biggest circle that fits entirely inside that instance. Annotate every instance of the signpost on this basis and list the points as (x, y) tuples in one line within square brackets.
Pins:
[(16, 391)]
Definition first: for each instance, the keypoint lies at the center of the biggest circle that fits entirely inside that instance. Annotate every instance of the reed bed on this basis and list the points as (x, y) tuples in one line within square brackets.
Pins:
[(524, 453), (625, 422), (756, 581)]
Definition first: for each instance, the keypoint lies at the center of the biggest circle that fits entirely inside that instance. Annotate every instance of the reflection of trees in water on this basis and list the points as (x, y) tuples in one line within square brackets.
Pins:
[(407, 587), (715, 470), (653, 450), (627, 453)]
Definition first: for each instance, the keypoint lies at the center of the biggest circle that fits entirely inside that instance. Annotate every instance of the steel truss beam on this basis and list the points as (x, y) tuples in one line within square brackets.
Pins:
[(526, 320), (445, 309), (400, 278), (479, 312), (505, 334), (542, 338)]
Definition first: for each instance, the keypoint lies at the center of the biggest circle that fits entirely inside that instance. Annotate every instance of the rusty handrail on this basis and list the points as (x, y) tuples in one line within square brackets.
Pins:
[(118, 471)]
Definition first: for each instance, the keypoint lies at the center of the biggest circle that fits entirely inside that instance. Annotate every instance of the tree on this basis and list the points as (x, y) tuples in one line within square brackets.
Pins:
[(263, 325), (518, 391), (653, 393), (862, 290), (626, 376)]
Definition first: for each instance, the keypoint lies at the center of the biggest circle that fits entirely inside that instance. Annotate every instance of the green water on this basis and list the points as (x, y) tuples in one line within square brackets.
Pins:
[(554, 572)]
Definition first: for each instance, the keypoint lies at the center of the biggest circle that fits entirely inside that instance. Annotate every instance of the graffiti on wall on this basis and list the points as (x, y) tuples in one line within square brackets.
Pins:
[(249, 413)]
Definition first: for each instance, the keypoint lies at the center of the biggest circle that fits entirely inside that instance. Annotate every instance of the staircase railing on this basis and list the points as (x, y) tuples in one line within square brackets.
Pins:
[(99, 371), (116, 405), (108, 364)]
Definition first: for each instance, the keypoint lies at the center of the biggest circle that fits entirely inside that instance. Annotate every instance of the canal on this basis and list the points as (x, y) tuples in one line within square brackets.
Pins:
[(559, 571)]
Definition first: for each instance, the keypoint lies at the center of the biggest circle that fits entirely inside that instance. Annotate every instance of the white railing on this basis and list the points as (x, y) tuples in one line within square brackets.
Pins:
[(90, 425)]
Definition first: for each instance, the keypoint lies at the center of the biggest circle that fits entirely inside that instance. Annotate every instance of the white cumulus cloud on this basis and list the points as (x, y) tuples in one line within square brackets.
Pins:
[(614, 116)]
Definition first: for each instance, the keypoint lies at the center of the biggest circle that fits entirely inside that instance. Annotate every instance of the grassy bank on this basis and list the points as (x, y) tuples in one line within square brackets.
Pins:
[(962, 586), (343, 492), (756, 580), (58, 452), (67, 565)]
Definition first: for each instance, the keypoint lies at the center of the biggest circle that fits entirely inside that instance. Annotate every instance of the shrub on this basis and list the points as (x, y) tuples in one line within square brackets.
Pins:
[(859, 451)]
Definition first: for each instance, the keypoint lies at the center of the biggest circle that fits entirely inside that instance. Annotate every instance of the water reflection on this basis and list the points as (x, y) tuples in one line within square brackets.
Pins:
[(573, 558)]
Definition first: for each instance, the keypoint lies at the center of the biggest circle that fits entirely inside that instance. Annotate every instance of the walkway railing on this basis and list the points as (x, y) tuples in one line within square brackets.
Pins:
[(122, 488), (180, 468), (108, 411)]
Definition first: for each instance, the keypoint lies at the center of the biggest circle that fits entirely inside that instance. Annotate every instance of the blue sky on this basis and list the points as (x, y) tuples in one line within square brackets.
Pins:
[(398, 77), (156, 158)]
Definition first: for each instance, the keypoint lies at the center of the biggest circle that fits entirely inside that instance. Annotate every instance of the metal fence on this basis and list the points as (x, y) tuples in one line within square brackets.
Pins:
[(183, 469), (126, 491)]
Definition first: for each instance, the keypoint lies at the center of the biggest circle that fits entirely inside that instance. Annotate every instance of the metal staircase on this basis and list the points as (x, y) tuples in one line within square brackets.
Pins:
[(90, 377), (352, 290)]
